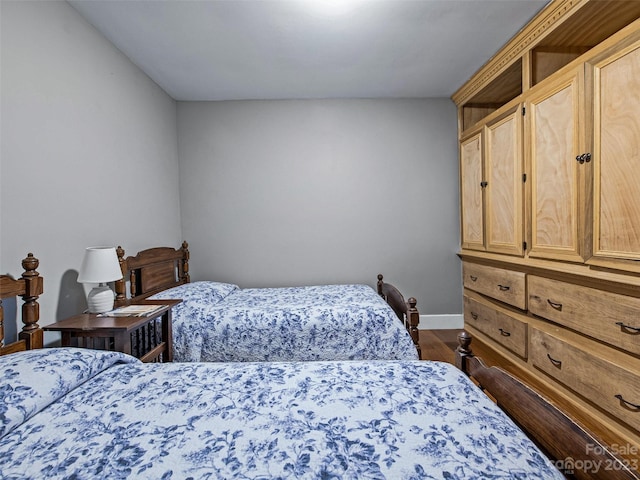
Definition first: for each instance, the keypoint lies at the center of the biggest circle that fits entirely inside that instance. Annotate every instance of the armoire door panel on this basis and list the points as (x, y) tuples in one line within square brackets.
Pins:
[(557, 221), (617, 155), (472, 209), (504, 189)]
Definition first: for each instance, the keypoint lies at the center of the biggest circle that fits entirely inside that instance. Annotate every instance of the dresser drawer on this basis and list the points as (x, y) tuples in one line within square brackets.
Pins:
[(509, 332), (613, 388), (609, 317), (504, 285)]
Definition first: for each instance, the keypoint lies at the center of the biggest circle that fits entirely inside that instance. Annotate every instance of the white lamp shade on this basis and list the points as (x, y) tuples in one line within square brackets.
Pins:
[(100, 265)]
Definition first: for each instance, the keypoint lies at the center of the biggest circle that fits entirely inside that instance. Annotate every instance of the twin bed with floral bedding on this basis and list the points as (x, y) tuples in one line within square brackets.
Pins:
[(220, 322), (79, 413)]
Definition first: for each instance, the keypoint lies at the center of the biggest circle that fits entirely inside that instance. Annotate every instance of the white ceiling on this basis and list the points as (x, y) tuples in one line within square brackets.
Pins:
[(293, 49)]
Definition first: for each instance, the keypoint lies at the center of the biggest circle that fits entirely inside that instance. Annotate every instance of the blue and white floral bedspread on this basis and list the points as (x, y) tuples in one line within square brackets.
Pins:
[(221, 322), (259, 420)]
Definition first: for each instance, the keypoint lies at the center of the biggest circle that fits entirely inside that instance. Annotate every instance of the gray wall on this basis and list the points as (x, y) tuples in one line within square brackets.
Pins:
[(89, 150), (322, 191), (273, 193)]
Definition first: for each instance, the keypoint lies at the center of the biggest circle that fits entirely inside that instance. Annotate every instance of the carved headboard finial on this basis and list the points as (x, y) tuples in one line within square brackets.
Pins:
[(120, 285), (464, 342), (185, 262), (463, 352), (30, 264)]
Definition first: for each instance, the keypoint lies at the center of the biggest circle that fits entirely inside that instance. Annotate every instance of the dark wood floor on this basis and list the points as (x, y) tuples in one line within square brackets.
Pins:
[(438, 344), (441, 344)]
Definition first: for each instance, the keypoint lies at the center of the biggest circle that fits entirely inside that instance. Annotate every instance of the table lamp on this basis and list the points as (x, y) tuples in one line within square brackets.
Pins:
[(100, 265)]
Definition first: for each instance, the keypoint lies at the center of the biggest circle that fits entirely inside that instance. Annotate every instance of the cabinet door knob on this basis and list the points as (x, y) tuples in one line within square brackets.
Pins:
[(504, 333), (503, 288), (484, 184), (583, 158)]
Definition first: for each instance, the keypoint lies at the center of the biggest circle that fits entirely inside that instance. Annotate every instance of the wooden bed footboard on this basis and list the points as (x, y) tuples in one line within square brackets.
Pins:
[(405, 311), (575, 451), (29, 286)]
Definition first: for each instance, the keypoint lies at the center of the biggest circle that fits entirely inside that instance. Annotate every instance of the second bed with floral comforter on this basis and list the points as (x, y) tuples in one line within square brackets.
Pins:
[(219, 322)]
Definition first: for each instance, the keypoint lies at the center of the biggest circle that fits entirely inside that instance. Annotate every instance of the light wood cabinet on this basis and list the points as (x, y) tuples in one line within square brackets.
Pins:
[(502, 284), (504, 188), (579, 341), (492, 191), (608, 317), (560, 190), (498, 324), (616, 80), (611, 386), (549, 134), (471, 187)]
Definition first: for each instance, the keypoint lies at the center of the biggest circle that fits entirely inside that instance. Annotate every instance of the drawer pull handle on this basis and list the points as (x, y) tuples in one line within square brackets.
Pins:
[(628, 405), (473, 279), (555, 362), (504, 333), (474, 315), (628, 327), (503, 288), (557, 306)]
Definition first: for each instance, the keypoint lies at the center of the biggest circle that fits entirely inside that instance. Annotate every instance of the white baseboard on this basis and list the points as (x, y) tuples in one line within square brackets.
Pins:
[(441, 322)]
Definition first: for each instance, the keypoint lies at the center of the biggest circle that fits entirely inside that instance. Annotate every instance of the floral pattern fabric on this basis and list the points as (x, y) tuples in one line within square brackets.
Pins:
[(260, 420), (187, 317), (31, 380), (327, 322)]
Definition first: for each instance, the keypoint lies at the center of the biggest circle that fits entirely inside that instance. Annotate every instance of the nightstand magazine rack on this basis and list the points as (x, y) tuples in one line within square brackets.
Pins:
[(148, 338)]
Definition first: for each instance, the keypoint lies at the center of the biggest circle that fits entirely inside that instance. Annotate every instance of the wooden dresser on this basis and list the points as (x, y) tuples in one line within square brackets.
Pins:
[(549, 133)]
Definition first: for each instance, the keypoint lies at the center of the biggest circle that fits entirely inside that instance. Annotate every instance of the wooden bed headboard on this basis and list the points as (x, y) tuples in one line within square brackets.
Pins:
[(29, 286), (151, 271)]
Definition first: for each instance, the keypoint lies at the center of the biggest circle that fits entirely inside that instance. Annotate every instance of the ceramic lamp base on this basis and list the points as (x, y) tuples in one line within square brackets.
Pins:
[(100, 299)]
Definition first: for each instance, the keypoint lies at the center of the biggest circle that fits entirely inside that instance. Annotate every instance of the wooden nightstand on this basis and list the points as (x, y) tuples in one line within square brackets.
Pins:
[(148, 338)]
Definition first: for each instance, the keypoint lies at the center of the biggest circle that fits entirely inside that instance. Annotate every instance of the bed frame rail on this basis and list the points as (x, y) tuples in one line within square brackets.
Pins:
[(405, 311), (29, 286), (575, 451)]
